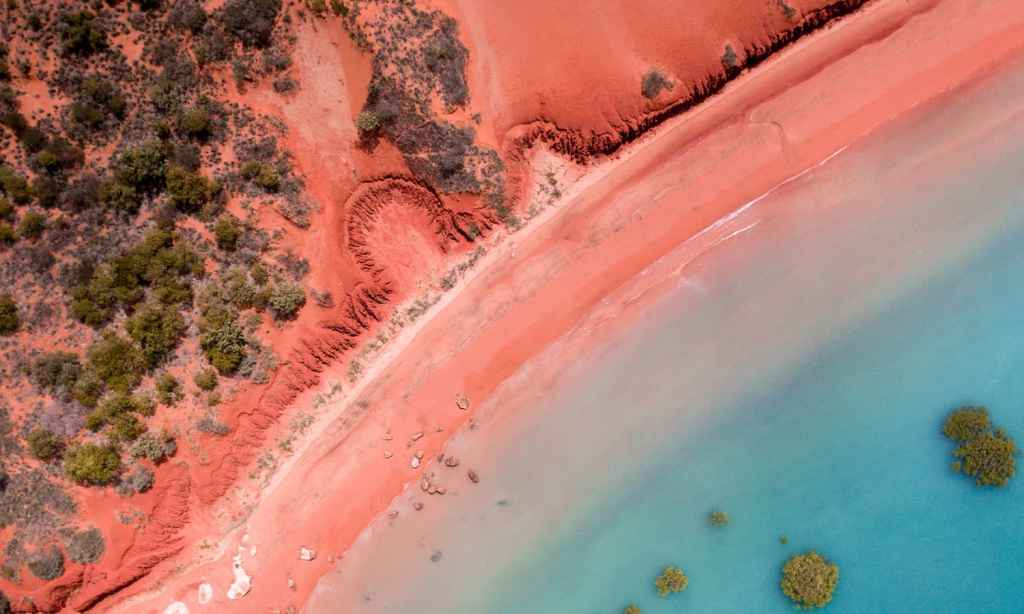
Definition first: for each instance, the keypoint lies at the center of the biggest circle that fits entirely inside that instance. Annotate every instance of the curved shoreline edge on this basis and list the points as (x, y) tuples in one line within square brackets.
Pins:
[(769, 125)]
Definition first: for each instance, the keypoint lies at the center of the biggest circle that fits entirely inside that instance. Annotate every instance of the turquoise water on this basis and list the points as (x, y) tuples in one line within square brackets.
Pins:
[(796, 379), (843, 456)]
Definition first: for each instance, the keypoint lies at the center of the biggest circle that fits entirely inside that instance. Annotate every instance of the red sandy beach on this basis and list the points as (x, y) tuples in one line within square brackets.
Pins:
[(617, 218)]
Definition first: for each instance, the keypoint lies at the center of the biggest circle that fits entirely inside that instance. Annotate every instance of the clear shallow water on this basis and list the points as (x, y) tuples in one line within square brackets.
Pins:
[(796, 380)]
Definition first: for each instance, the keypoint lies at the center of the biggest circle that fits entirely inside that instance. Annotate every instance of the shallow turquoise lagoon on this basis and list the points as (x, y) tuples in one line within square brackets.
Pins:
[(796, 379)]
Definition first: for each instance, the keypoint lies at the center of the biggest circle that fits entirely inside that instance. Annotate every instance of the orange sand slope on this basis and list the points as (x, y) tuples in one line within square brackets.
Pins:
[(609, 222)]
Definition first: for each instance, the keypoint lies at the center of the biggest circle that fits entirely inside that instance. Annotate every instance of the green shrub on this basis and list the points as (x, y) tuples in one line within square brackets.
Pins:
[(367, 121), (32, 225), (227, 230), (286, 299), (966, 423), (117, 362), (10, 322), (92, 465), (14, 185), (47, 564), (142, 167), (631, 609), (156, 448), (82, 34), (98, 101), (251, 21), (7, 234), (206, 379), (85, 547), (88, 389), (671, 580), (809, 580), (224, 346), (119, 197), (188, 191), (5, 604), (195, 122), (116, 405), (718, 518), (126, 427), (168, 389), (985, 453), (6, 209), (44, 445), (158, 330), (262, 174), (56, 372)]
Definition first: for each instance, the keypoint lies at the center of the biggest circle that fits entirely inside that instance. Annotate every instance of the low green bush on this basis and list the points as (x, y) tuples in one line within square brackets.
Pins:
[(227, 230), (285, 300), (142, 167), (156, 448), (206, 379), (117, 362), (10, 321), (32, 225), (56, 372), (262, 174), (168, 389), (81, 33), (44, 445), (157, 329), (92, 465), (188, 190)]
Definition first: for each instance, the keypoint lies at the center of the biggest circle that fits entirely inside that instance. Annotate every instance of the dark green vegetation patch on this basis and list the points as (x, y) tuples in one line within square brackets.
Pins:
[(983, 452), (809, 580)]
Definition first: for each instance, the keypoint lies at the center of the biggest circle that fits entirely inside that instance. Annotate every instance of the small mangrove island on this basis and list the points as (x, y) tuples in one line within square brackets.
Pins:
[(809, 580), (984, 452), (671, 580)]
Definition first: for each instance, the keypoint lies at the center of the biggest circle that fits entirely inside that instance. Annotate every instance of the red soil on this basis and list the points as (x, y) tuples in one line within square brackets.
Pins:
[(532, 286)]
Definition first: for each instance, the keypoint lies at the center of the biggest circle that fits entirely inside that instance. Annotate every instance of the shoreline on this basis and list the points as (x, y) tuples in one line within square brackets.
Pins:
[(553, 258)]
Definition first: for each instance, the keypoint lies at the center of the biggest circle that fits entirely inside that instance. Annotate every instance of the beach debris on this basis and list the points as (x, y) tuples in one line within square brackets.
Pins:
[(307, 554), (205, 593), (393, 514), (291, 583), (388, 454), (462, 402), (242, 583), (451, 461), (415, 462), (436, 556), (503, 502), (473, 477), (388, 436), (417, 436), (176, 608), (424, 484), (473, 425), (416, 505)]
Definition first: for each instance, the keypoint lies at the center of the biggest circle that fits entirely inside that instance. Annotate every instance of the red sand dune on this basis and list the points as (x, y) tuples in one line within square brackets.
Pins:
[(572, 83)]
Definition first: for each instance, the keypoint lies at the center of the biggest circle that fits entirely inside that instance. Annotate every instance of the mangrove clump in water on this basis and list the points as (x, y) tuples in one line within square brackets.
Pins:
[(984, 453), (718, 518), (672, 580), (809, 580)]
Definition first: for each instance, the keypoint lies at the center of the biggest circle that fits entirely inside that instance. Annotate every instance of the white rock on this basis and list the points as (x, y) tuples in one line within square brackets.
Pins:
[(240, 587), (176, 608), (415, 462), (307, 554), (205, 593)]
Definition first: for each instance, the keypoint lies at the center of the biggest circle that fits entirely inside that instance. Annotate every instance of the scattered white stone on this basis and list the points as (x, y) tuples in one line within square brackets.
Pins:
[(415, 462), (388, 454), (240, 587), (205, 593), (462, 402), (176, 608), (307, 554), (252, 551)]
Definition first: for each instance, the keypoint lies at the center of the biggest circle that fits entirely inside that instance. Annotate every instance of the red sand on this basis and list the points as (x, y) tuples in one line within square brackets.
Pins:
[(626, 213)]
